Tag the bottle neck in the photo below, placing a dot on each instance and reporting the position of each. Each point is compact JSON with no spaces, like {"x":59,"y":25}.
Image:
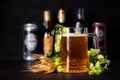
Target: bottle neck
{"x":47,"y":24}
{"x":47,"y":19}
{"x":61,"y":16}
{"x":79,"y":17}
{"x":80,"y":13}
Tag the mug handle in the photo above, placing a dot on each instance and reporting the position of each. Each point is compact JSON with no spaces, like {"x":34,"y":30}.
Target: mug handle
{"x":95,"y":40}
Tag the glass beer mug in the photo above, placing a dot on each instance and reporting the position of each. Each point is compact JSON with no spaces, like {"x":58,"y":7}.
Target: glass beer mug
{"x":74,"y":45}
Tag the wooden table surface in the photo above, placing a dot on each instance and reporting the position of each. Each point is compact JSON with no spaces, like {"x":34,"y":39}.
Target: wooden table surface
{"x":13,"y":70}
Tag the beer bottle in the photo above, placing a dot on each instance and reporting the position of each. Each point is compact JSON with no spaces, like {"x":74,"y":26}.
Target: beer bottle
{"x":80,"y":20}
{"x":58,"y":31}
{"x":48,"y":38}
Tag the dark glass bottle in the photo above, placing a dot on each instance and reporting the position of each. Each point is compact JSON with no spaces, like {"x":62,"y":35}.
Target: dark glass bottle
{"x":58,"y":31}
{"x":80,"y":19}
{"x":48,"y":38}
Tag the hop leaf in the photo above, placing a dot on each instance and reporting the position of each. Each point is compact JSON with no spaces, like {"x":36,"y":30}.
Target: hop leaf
{"x":53,"y":32}
{"x":94,"y":51}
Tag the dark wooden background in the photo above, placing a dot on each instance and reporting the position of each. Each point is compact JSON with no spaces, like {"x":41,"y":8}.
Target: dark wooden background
{"x":15,"y":13}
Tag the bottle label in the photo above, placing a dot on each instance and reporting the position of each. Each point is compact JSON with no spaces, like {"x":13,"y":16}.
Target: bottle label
{"x":48,"y":44}
{"x":100,"y":35}
{"x":30,"y":41}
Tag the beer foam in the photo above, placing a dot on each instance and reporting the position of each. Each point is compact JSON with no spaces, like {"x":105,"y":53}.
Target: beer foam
{"x":74,"y":34}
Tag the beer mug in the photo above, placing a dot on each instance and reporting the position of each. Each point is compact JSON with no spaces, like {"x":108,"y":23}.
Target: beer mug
{"x":74,"y":45}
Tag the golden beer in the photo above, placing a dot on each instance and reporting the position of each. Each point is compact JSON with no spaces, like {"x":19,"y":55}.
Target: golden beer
{"x":74,"y":53}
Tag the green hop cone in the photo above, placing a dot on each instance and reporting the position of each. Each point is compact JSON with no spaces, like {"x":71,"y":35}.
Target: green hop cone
{"x":59,"y":68}
{"x":100,"y":56}
{"x":91,"y":65}
{"x":98,"y":65}
{"x":98,"y":71}
{"x":64,"y":30}
{"x":91,"y":73}
{"x":57,"y":48}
